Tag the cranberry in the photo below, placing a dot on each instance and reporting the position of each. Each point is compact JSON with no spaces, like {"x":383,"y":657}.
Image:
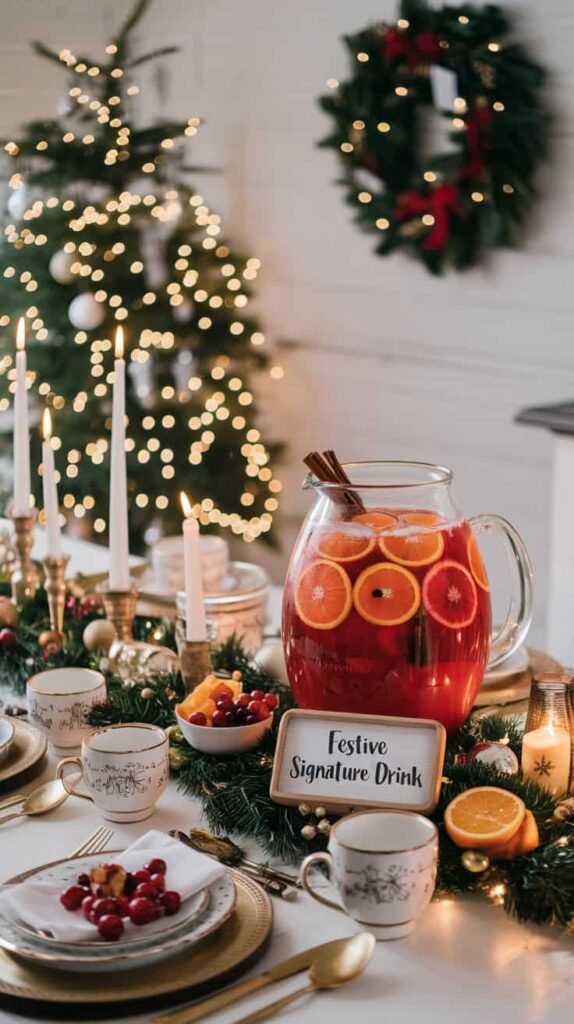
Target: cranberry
{"x":230,"y":718}
{"x":225,"y":705}
{"x":87,"y":904}
{"x":241,"y":716}
{"x":7,"y":637}
{"x":257,"y":695}
{"x":198,"y":718}
{"x":101,"y":906}
{"x":84,"y":881}
{"x":158,"y":880}
{"x":243,"y":700}
{"x":272,"y":700}
{"x":170,"y":901}
{"x":142,"y":911}
{"x":141,"y":876}
{"x":123,"y":906}
{"x":259,"y":709}
{"x":218,"y":719}
{"x":157,"y":866}
{"x":110,"y":927}
{"x":72,"y":897}
{"x":147,"y":890}
{"x":250,"y":718}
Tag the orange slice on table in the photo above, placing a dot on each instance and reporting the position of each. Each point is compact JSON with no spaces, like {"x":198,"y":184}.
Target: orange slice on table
{"x":449,"y":594}
{"x":323,"y":595}
{"x":522,"y":842}
{"x":422,"y":518}
{"x":476,"y":564}
{"x":377,"y":519}
{"x":345,"y":545}
{"x":413,"y":548}
{"x":484,"y":816}
{"x":386,"y":594}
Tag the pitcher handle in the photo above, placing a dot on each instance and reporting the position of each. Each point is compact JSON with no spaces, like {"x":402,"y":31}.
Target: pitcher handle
{"x":513,"y":631}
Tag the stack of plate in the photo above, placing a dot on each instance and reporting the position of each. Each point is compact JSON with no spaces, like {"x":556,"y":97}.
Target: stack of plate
{"x":200,"y":915}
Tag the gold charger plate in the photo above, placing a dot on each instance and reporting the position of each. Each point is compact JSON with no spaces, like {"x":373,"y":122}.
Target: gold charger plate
{"x":516,"y":688}
{"x":216,"y":959}
{"x":27,"y":748}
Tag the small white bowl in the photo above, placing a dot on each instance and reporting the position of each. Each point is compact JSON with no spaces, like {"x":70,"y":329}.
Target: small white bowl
{"x":233,"y":739}
{"x":6,"y":737}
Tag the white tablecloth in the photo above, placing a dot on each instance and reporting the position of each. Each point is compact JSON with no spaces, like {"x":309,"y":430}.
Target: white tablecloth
{"x":467,"y":962}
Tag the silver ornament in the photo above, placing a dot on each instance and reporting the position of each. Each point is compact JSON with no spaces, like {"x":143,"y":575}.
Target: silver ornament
{"x":85,"y":312}
{"x":60,"y":266}
{"x":498,"y":755}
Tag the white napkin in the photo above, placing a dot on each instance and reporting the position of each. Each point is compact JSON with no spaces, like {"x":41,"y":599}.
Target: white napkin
{"x":37,"y":904}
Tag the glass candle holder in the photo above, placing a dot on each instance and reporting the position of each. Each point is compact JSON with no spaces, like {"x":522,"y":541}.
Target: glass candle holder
{"x":547,"y":746}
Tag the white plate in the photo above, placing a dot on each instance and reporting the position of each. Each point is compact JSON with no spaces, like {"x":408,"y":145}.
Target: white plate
{"x":108,"y":956}
{"x":511,"y":666}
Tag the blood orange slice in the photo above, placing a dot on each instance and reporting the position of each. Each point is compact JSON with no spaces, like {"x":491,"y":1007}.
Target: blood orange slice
{"x":386,"y":594}
{"x":413,"y":548}
{"x":376,"y":518}
{"x":422,"y":518}
{"x":449,"y":594}
{"x":476,"y":564}
{"x":323,"y":595}
{"x":345,"y":545}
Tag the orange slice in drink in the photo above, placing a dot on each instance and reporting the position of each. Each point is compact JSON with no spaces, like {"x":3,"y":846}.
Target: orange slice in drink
{"x":422,"y":518}
{"x":376,"y":518}
{"x":413,"y":548}
{"x":449,"y":594}
{"x":345,"y":545}
{"x":386,"y":594}
{"x":484,"y":816}
{"x":323,"y":595}
{"x":476,"y":564}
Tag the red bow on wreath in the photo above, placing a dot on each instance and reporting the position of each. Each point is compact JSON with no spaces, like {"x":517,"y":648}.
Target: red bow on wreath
{"x":442,"y":201}
{"x":420,"y":49}
{"x":477,"y":142}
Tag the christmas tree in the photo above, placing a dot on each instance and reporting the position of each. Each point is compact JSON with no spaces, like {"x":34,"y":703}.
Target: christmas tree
{"x":105,"y":229}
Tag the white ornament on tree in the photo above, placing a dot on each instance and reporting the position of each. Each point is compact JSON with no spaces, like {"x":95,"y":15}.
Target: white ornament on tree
{"x":85,"y":312}
{"x":60,"y":264}
{"x":184,"y":312}
{"x":18,"y":201}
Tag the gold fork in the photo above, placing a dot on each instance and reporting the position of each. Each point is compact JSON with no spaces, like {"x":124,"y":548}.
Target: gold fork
{"x":96,"y":843}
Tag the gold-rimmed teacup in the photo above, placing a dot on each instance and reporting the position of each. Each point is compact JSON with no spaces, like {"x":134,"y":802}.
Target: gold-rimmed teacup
{"x":59,"y":702}
{"x":125,"y":770}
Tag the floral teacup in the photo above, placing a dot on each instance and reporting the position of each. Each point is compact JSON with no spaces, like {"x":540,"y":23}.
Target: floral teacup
{"x":59,"y":702}
{"x":384,"y":865}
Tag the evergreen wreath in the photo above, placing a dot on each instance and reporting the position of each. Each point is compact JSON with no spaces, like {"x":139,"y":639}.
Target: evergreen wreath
{"x":448,"y":208}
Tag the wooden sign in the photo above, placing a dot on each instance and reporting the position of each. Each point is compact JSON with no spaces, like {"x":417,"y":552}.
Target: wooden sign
{"x":341,"y":761}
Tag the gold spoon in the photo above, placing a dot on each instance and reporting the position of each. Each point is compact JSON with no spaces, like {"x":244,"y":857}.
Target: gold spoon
{"x":41,"y":800}
{"x":336,"y":965}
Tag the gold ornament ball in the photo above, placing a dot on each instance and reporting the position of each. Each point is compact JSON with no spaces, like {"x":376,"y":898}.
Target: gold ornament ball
{"x":475,"y":861}
{"x":308,"y":831}
{"x":304,"y":809}
{"x":320,"y":812}
{"x":99,"y":635}
{"x":8,"y":613}
{"x":324,"y":826}
{"x":49,"y":636}
{"x":148,"y":693}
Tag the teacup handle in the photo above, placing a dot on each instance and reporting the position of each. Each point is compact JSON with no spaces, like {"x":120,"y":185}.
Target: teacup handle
{"x":60,"y":774}
{"x":318,"y":858}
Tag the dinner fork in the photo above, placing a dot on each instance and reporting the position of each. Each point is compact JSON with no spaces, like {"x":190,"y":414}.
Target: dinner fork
{"x":96,"y":843}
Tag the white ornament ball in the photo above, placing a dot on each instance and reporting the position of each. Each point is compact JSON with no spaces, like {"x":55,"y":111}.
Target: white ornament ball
{"x":18,"y":202}
{"x":85,"y":312}
{"x":99,"y":635}
{"x":271,"y":658}
{"x":184,"y":312}
{"x":60,"y":264}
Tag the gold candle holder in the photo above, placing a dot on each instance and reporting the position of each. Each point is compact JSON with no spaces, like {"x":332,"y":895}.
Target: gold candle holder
{"x":55,"y":587}
{"x":24,"y":580}
{"x":194,"y":657}
{"x":120,"y":609}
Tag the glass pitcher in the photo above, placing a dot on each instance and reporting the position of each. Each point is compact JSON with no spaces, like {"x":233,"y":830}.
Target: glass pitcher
{"x":386,"y":607}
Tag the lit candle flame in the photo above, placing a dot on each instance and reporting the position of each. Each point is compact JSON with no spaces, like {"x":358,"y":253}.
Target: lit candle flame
{"x":47,"y":424}
{"x":186,"y":505}
{"x":119,"y":346}
{"x":21,"y":334}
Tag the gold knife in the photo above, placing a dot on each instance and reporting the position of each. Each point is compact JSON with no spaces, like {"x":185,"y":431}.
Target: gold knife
{"x":295,"y":964}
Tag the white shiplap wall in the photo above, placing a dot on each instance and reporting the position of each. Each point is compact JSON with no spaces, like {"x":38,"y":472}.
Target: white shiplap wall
{"x":388,"y":362}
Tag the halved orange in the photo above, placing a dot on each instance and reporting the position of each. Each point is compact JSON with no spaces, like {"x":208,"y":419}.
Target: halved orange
{"x":483,"y":816}
{"x":449,"y":594}
{"x":345,"y":545}
{"x":524,"y":841}
{"x":422,"y":518}
{"x":413,"y":548}
{"x":375,"y":518}
{"x":386,"y":594}
{"x":476,"y":564}
{"x":323,"y":595}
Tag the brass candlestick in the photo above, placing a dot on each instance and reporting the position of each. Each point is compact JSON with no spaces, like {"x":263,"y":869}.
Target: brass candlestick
{"x":55,"y":587}
{"x":24,"y":580}
{"x":120,"y":609}
{"x":194,"y":657}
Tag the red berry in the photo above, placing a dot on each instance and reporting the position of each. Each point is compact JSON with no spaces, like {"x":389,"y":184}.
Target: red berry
{"x":123,"y":906}
{"x":147,"y":890}
{"x":129,"y":884}
{"x":223,"y":692}
{"x":87,"y":904}
{"x":250,"y":718}
{"x":259,"y":709}
{"x":72,"y":897}
{"x":158,"y":881}
{"x":110,"y":927}
{"x":84,"y":881}
{"x":257,"y":695}
{"x":141,"y":876}
{"x":7,"y":637}
{"x":156,"y":866}
{"x":272,"y":700}
{"x":219,"y":719}
{"x":198,"y":718}
{"x":243,"y":700}
{"x":142,"y":911}
{"x":226,"y":704}
{"x":102,"y":906}
{"x":170,"y":901}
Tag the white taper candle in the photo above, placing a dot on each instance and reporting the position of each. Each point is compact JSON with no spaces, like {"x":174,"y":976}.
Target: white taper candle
{"x":50,"y":490}
{"x":119,"y":576}
{"x":195,"y":625}
{"x":22,"y":488}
